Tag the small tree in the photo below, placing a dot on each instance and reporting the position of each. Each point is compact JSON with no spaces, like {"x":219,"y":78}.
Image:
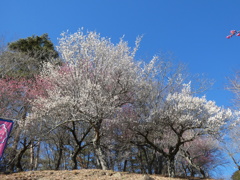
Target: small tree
{"x":180,"y":115}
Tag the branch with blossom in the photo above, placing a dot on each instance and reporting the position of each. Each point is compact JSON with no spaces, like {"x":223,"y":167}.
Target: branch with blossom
{"x":233,"y":33}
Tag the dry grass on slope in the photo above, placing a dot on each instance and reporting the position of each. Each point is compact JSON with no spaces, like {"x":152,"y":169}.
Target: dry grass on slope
{"x":84,"y":174}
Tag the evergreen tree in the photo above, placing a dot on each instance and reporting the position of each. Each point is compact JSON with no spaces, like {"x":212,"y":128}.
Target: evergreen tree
{"x":24,"y":57}
{"x":39,"y":47}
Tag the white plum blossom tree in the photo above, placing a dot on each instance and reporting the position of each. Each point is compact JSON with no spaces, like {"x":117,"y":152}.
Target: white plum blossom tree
{"x":98,"y":78}
{"x":182,"y":117}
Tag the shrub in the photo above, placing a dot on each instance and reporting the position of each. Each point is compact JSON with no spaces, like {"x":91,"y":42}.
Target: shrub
{"x":236,"y":175}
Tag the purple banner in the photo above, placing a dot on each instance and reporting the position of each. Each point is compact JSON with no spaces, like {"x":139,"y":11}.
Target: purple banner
{"x":5,"y":129}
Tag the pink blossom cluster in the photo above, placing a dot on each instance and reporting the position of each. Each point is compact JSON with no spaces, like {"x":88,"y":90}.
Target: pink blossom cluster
{"x":232,"y":33}
{"x":14,"y":92}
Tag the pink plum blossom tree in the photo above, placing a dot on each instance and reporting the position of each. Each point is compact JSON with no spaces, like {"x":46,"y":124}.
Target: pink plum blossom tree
{"x":15,"y":96}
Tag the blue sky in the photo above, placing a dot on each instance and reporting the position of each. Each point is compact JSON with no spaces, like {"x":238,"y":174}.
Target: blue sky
{"x":194,"y":31}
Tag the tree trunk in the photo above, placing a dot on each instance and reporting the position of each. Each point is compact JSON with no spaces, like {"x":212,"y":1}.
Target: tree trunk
{"x":88,"y":161}
{"x":74,"y":161}
{"x":190,"y":161}
{"x":101,"y":156}
{"x":19,"y":158}
{"x":37,"y":156}
{"x":74,"y":158}
{"x":20,"y":155}
{"x":31,"y":156}
{"x":171,"y":166}
{"x":149,"y":162}
{"x":98,"y":150}
{"x":14,"y":147}
{"x":15,"y":158}
{"x":202,"y":172}
{"x":125,"y":166}
{"x":59,"y":158}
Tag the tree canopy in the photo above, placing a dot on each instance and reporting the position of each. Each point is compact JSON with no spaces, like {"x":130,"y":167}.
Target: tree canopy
{"x":25,"y":57}
{"x":39,"y":47}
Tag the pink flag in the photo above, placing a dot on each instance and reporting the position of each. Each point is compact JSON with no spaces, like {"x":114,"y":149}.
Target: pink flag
{"x":5,"y":129}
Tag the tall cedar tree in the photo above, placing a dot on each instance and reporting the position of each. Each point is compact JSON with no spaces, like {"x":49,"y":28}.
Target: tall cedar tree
{"x":27,"y":56}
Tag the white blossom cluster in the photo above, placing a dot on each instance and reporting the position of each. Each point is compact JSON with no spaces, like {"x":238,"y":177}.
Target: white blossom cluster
{"x":195,"y":112}
{"x":97,"y":79}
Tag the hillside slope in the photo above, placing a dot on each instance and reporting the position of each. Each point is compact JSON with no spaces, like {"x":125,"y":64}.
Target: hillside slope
{"x":84,"y":174}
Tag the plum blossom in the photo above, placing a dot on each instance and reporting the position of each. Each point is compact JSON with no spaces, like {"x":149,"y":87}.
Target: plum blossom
{"x":233,"y":33}
{"x":186,"y":108}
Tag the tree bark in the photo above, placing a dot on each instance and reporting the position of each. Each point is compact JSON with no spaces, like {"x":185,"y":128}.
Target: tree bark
{"x":74,"y":158}
{"x":37,"y":156}
{"x":78,"y":146}
{"x":98,"y":150}
{"x":171,"y":166}
{"x":125,"y":166}
{"x":190,"y":161}
{"x":14,"y":152}
{"x":32,"y":156}
{"x":59,"y":158}
{"x":20,"y":155}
